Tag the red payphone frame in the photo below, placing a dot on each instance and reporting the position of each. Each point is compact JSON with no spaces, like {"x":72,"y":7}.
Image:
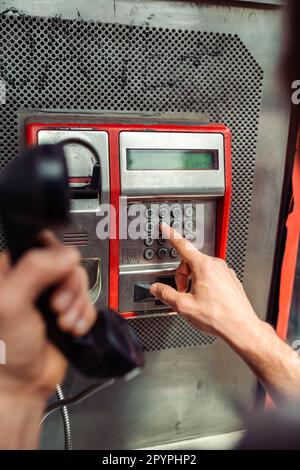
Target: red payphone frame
{"x":113,"y":130}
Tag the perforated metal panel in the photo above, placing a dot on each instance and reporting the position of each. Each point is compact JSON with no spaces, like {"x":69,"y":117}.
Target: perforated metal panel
{"x":76,"y":65}
{"x":168,"y":332}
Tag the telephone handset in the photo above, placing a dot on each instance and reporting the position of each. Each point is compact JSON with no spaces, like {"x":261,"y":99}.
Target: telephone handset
{"x":34,"y":195}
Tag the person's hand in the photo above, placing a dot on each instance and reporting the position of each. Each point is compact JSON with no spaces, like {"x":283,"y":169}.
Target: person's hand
{"x":33,"y":363}
{"x":217,"y":302}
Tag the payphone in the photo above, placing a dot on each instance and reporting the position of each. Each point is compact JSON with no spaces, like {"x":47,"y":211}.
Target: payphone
{"x":177,"y":173}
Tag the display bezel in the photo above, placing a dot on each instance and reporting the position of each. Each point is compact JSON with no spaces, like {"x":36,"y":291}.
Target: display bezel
{"x":175,"y":182}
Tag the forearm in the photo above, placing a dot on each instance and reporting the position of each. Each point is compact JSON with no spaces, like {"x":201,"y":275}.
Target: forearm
{"x":20,"y":417}
{"x":276,"y":365}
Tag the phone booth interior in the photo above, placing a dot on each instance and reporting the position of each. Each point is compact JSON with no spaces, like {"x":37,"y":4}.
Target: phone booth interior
{"x":199,"y":82}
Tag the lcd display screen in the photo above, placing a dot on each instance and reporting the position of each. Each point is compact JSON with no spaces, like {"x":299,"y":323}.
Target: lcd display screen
{"x":171,"y":159}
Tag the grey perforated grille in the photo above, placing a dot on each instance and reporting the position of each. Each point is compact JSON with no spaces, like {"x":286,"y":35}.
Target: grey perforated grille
{"x":84,"y":66}
{"x":168,"y":332}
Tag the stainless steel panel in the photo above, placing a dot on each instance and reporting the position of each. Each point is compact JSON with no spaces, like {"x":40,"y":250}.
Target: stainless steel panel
{"x":81,"y":234}
{"x":148,"y":182}
{"x":93,"y":268}
{"x":82,"y":230}
{"x":183,"y":393}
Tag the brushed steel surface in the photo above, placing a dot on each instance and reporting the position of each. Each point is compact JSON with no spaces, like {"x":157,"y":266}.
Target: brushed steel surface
{"x":190,"y":392}
{"x":84,"y":211}
{"x":93,"y":268}
{"x":181,"y":394}
{"x":227,"y":441}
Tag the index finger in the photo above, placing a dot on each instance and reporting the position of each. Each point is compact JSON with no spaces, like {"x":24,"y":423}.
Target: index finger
{"x":185,"y":248}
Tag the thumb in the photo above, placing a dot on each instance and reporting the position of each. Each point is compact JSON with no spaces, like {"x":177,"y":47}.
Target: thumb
{"x":167,"y":294}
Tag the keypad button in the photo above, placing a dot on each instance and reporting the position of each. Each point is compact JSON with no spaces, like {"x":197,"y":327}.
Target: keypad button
{"x":162,"y":253}
{"x":173,"y":253}
{"x":149,"y":226}
{"x":163,"y":212}
{"x":176,"y":212}
{"x":149,"y":241}
{"x":176,"y":225}
{"x":149,"y":254}
{"x":149,"y":213}
{"x":189,"y":236}
{"x":161,"y":241}
{"x":189,"y":211}
{"x":188,"y":225}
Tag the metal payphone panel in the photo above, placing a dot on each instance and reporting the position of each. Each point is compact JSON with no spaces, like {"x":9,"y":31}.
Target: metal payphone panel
{"x":177,"y":173}
{"x":82,"y":231}
{"x":177,"y":177}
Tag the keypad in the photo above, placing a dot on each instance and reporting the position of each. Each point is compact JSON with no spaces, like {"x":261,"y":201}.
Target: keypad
{"x":180,"y":215}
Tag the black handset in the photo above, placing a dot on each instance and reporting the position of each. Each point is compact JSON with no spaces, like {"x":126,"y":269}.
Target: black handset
{"x":34,"y":195}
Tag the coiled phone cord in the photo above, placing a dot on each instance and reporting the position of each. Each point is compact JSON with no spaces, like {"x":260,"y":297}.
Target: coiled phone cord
{"x":65,"y":419}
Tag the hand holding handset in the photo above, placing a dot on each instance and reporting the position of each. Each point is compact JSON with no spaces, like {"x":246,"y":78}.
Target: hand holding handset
{"x":34,"y":195}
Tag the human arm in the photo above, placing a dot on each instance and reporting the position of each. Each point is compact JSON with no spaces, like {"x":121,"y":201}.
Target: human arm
{"x":217,"y":304}
{"x":34,"y":365}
